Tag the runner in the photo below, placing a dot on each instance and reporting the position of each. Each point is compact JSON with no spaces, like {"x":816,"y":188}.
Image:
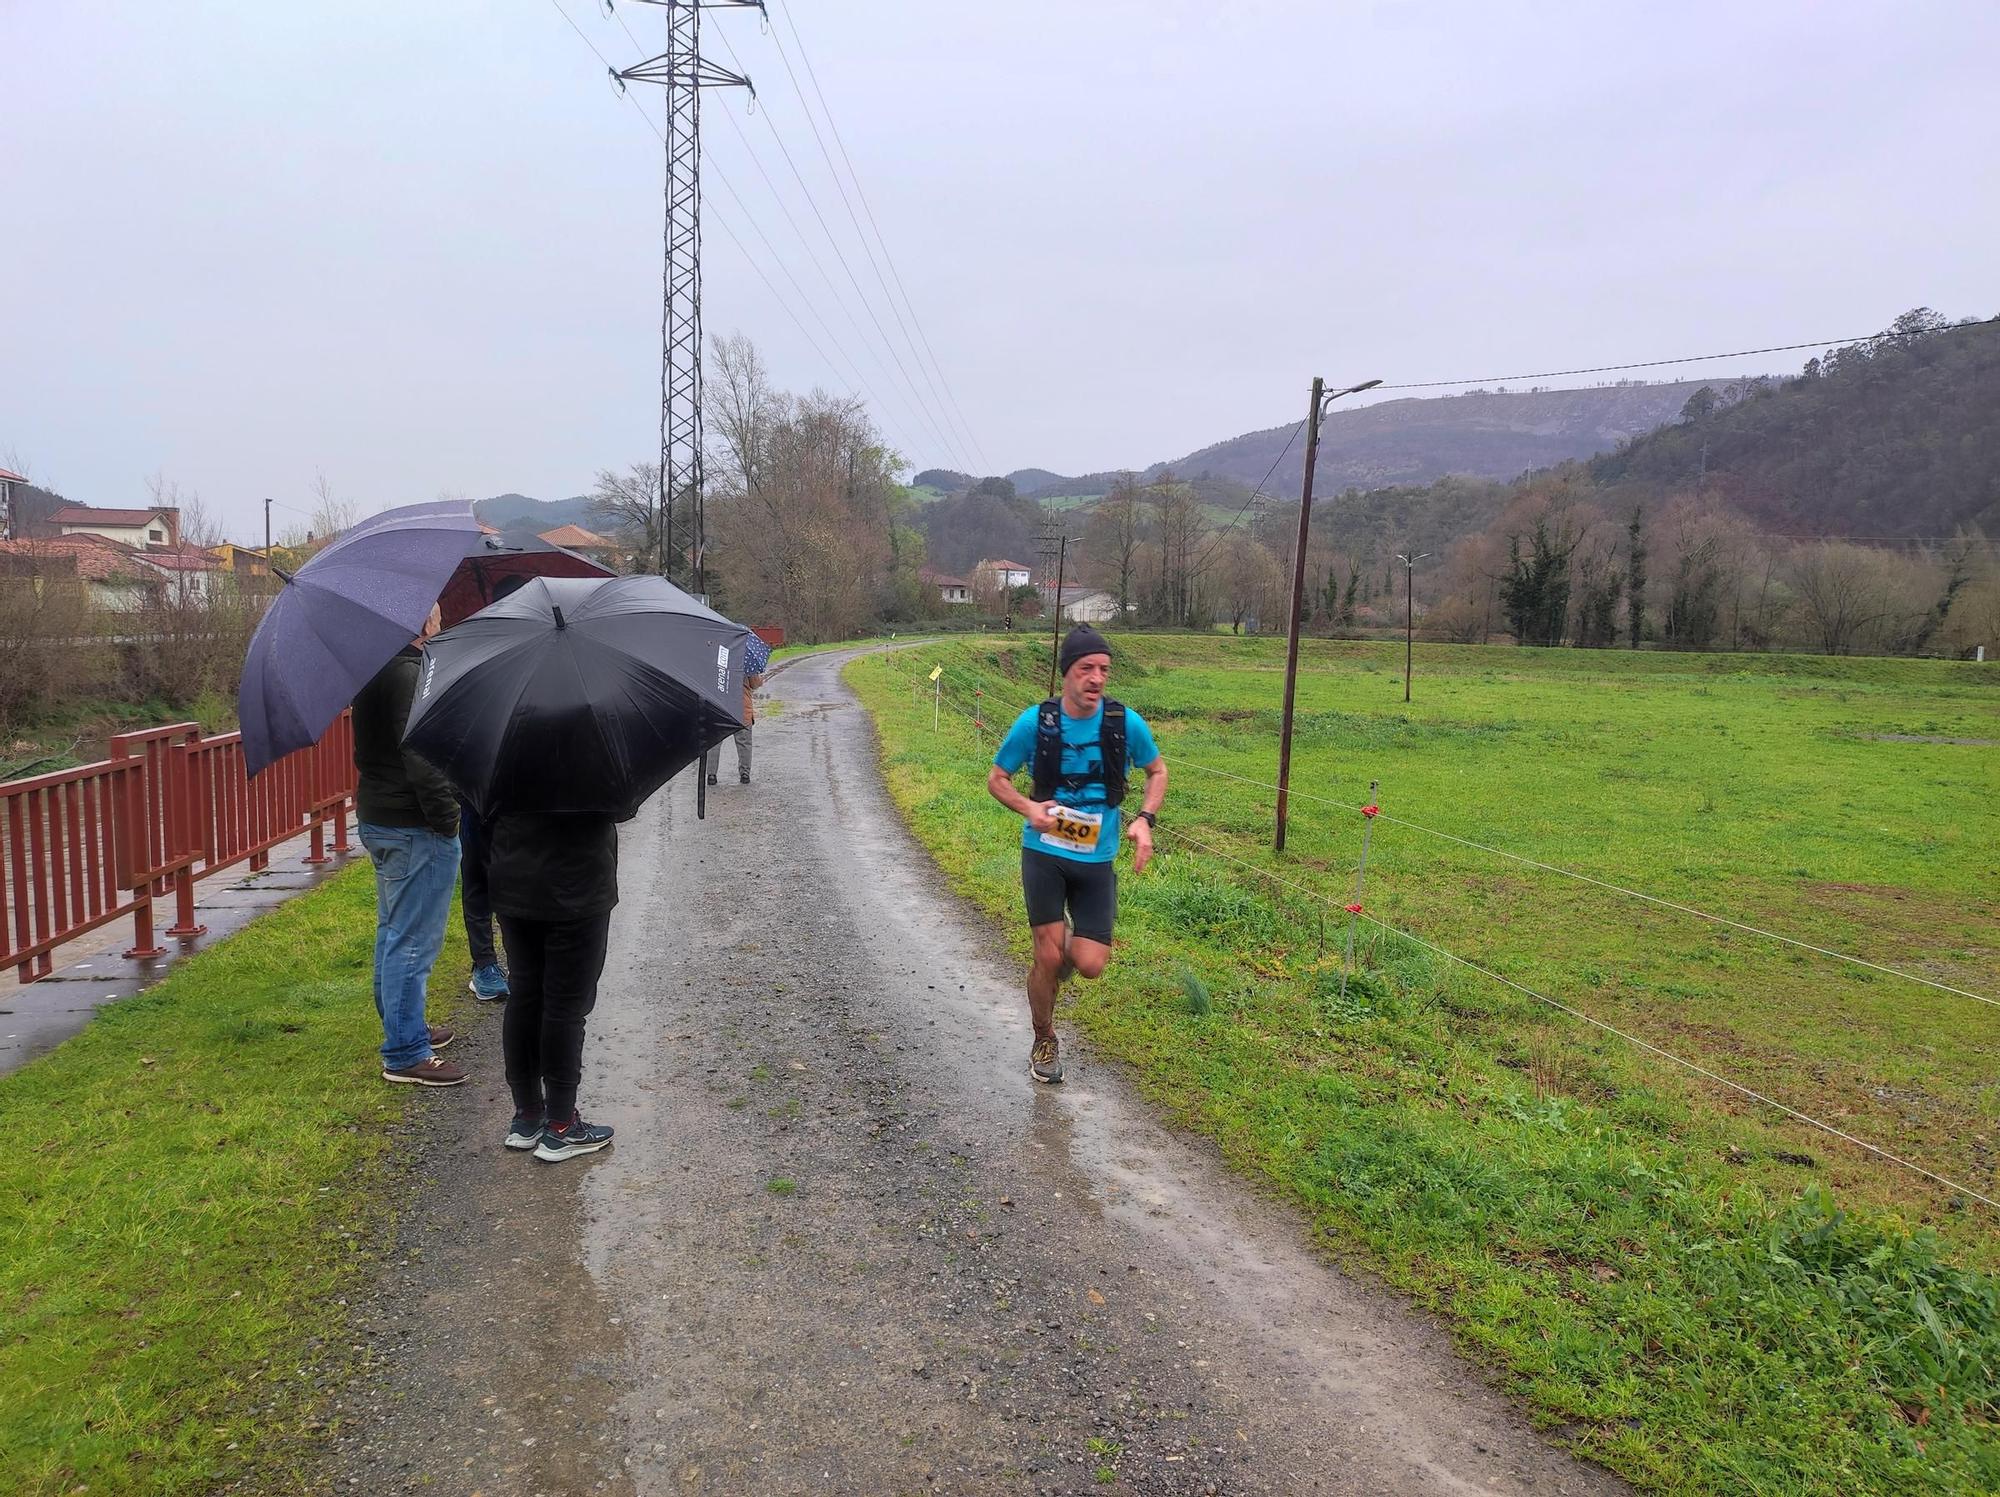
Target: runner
{"x":1080,"y":747}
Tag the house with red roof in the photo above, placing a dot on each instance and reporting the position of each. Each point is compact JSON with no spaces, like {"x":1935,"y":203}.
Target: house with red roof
{"x":137,"y":528}
{"x":584,"y":542}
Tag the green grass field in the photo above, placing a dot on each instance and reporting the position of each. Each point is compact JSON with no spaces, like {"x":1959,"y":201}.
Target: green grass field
{"x":1686,"y":1285}
{"x":192,"y":1182}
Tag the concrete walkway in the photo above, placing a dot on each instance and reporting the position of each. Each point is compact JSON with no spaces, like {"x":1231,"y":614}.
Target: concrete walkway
{"x":38,"y":1016}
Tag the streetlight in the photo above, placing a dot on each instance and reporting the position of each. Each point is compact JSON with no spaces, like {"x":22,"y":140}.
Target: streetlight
{"x":1409,"y":613}
{"x":1320,"y":401}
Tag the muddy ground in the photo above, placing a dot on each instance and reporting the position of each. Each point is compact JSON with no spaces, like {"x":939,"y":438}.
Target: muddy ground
{"x":844,"y":1244}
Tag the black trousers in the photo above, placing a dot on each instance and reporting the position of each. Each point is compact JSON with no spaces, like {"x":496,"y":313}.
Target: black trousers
{"x":552,"y":977}
{"x":474,"y":902}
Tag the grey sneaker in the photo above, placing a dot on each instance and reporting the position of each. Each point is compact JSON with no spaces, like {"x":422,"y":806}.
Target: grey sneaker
{"x":567,"y":1140}
{"x":525,"y":1131}
{"x":1045,"y":1061}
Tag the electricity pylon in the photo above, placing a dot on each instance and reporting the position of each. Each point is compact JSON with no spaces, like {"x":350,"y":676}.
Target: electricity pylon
{"x":684,"y":73}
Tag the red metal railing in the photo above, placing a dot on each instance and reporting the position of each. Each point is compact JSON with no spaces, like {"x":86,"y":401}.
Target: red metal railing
{"x":84,"y":847}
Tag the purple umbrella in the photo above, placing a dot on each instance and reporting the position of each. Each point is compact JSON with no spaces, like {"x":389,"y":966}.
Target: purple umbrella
{"x":340,"y":619}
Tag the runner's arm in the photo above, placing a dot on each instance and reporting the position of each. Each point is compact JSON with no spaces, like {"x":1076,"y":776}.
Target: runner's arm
{"x":1000,"y":785}
{"x":1141,"y":830}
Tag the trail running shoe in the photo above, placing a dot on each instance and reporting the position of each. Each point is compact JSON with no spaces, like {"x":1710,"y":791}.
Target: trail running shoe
{"x":489,"y":983}
{"x":567,"y":1140}
{"x":432,"y":1072}
{"x":526,"y":1130}
{"x":1045,"y":1061}
{"x":744,"y":777}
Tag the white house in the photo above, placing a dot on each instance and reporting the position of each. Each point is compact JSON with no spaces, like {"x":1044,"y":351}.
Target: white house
{"x":1002,"y":575}
{"x":137,"y":528}
{"x":950,"y":589}
{"x":1087,"y":605}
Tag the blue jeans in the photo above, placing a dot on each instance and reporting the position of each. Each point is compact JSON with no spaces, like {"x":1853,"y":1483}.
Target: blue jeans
{"x":415,"y":871}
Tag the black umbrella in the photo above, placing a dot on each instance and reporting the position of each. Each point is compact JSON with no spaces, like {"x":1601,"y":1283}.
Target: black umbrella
{"x":578,"y":695}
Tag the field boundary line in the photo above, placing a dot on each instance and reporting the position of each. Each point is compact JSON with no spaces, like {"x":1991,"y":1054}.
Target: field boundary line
{"x":1685,"y":909}
{"x":1608,"y":1028}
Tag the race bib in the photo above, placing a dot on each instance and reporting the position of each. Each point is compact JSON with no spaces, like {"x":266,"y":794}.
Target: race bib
{"x":1074,"y":831}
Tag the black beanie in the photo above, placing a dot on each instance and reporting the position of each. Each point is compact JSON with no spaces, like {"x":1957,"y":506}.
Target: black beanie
{"x":1081,"y":641}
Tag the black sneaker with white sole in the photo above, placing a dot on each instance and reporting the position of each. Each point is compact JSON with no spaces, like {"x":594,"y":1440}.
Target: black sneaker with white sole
{"x":526,"y":1130}
{"x":567,"y":1140}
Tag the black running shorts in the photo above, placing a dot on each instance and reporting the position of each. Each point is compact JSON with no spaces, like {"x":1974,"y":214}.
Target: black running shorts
{"x":1090,"y":890}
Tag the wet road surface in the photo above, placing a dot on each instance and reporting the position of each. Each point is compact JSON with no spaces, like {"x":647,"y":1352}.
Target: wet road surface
{"x":844,"y":1244}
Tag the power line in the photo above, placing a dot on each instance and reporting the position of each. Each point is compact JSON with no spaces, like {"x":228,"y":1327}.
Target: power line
{"x":1741,"y":353}
{"x":819,"y":265}
{"x":1577,"y":1013}
{"x":868,"y":208}
{"x":1685,"y":909}
{"x":944,"y":408}
{"x":749,"y":219}
{"x":949,"y":444}
{"x":1255,"y":494}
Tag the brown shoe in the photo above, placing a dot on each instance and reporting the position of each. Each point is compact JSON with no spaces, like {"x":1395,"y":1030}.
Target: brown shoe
{"x":432,"y":1072}
{"x":440,"y":1036}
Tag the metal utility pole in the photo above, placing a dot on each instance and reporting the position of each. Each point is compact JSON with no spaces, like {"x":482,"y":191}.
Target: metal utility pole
{"x":1320,"y":401}
{"x":267,"y":530}
{"x":1409,"y":613}
{"x":1055,"y":642}
{"x":684,"y":73}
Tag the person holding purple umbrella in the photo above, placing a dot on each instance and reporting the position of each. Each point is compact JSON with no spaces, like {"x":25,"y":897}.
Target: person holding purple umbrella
{"x":408,"y":822}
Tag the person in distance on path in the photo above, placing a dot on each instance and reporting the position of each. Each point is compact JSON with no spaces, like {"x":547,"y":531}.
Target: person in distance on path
{"x":712,"y":760}
{"x":1080,"y":747}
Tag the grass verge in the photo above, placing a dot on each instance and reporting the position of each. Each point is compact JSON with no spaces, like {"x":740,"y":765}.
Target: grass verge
{"x":1669,"y":1281}
{"x":188,"y":1195}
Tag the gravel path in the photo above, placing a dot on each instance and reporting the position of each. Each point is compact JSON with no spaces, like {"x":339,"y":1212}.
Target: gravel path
{"x":843,"y":1244}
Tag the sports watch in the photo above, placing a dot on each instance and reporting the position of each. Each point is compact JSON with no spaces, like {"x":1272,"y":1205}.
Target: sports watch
{"x":1151,"y":818}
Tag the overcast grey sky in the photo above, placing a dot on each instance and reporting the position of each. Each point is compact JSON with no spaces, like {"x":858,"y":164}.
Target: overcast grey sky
{"x":415,"y":246}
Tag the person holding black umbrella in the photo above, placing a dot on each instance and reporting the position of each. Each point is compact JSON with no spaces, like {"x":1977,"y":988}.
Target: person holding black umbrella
{"x":557,"y":713}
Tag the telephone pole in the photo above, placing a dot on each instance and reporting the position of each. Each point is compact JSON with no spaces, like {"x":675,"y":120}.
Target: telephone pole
{"x":1409,"y":613}
{"x":1314,"y":412}
{"x":684,"y":73}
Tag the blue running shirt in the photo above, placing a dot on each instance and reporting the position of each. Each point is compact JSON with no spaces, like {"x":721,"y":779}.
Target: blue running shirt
{"x":1080,"y":755}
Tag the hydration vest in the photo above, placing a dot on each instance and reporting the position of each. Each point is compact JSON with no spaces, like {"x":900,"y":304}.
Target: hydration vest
{"x":1048,"y":770}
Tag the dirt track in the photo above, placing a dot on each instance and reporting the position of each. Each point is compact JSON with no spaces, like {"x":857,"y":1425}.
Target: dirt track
{"x":843,"y":1244}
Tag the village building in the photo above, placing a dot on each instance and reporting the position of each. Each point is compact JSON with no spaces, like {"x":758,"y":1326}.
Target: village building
{"x":950,"y":589}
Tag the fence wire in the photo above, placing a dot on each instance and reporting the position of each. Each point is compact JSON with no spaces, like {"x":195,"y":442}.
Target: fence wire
{"x":974,"y":718}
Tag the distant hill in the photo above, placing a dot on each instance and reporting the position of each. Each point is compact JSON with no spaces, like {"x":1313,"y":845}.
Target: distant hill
{"x":519,"y":512}
{"x":1037,"y":481}
{"x":1482,"y":434}
{"x":944,"y":480}
{"x":1898,"y":436}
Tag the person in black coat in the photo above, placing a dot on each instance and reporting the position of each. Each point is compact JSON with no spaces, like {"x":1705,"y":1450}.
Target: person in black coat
{"x":553,"y":881}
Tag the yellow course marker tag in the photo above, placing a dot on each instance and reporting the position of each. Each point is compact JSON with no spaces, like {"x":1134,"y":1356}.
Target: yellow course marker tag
{"x":936,"y":671}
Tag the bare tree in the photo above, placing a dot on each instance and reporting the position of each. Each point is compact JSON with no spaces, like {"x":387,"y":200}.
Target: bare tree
{"x":1839,"y":591}
{"x":628,"y":506}
{"x":331,"y":514}
{"x":1114,"y":532}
